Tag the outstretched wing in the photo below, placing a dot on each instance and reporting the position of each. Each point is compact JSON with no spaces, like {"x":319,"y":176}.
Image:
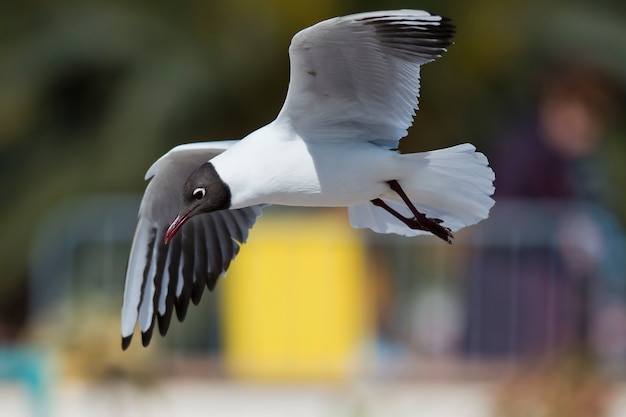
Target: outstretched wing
{"x":162,"y":278}
{"x":357,"y":77}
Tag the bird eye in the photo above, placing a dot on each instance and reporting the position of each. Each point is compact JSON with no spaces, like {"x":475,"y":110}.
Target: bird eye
{"x":199,"y":193}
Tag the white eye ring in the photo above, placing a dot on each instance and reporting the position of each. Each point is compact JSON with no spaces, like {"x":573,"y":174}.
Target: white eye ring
{"x":199,"y":193}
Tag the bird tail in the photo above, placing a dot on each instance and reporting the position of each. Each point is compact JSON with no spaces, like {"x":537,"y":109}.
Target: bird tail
{"x":452,"y":184}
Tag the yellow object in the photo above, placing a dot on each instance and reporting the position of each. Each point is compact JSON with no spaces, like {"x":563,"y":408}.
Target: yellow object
{"x":293,"y":302}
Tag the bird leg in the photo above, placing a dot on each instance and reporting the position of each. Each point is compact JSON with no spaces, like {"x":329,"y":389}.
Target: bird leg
{"x":419,"y":220}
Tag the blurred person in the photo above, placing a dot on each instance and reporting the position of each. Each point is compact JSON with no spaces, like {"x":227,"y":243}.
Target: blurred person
{"x":528,"y":297}
{"x":551,"y":156}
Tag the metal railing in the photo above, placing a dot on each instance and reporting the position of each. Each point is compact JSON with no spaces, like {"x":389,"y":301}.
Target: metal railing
{"x":536,"y":278}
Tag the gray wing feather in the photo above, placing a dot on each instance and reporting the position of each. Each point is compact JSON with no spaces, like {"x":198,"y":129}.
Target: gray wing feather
{"x":357,"y":77}
{"x":163,"y":278}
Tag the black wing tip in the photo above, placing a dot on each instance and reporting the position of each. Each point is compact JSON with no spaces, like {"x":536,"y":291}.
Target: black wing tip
{"x":446,"y":23}
{"x":400,"y":16}
{"x":211,"y":283}
{"x":164,"y":323}
{"x":196,"y":296}
{"x":181,"y":306}
{"x":198,"y":289}
{"x":146,"y":337}
{"x":126,"y":341}
{"x":425,"y":38}
{"x":443,"y":24}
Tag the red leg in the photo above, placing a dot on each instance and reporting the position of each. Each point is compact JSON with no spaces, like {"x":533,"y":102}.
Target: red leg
{"x":419,"y":221}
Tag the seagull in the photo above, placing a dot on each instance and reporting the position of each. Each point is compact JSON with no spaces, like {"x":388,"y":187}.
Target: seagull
{"x":353,"y":93}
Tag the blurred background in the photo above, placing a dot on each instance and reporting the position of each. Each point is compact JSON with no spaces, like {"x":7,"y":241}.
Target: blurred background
{"x":525,"y":315}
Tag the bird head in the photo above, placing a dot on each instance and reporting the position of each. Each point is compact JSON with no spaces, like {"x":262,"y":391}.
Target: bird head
{"x":203,"y":192}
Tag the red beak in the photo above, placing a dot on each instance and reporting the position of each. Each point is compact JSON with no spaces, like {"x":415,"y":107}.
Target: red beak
{"x":177,"y":223}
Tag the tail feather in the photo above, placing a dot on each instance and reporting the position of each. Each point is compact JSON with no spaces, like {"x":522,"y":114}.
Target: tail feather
{"x":453,"y":184}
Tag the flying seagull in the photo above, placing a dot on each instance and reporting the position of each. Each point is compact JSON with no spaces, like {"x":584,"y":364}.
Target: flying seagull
{"x":352,"y":96}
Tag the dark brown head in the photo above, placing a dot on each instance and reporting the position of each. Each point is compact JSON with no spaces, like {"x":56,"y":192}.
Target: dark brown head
{"x":203,"y":192}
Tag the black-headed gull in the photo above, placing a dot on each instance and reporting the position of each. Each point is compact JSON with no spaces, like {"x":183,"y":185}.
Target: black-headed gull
{"x":352,"y":96}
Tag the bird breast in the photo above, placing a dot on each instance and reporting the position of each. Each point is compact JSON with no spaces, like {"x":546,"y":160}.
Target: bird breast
{"x":273,"y":169}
